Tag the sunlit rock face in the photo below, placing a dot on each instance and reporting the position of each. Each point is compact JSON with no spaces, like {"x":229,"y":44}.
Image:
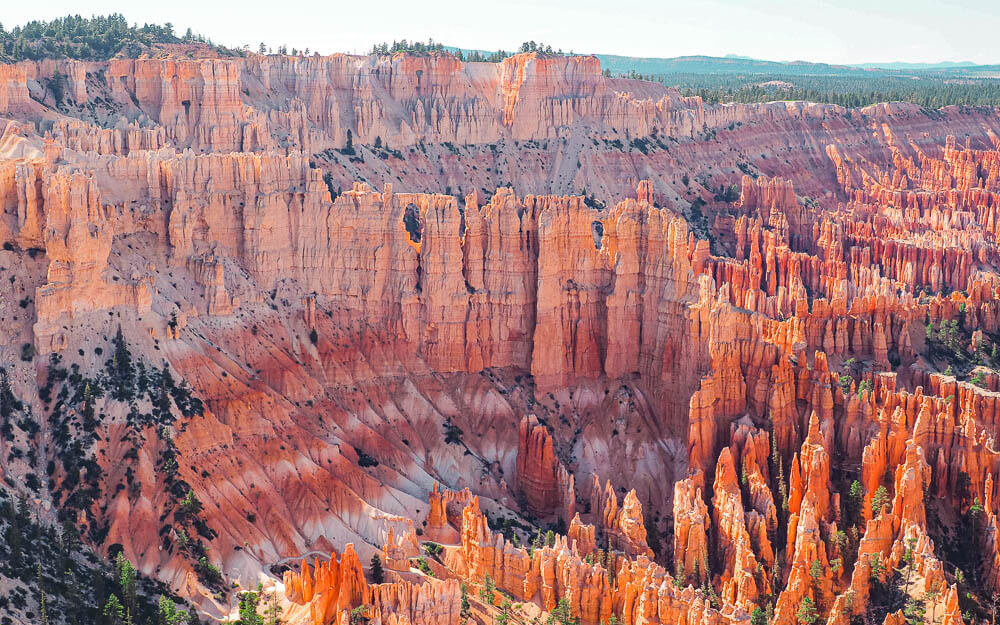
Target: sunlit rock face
{"x":294,"y":313}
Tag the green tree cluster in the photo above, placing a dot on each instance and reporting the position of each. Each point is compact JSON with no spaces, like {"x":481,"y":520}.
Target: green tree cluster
{"x":96,"y":38}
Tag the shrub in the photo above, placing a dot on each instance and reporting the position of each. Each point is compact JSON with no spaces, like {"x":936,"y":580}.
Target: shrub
{"x":433,"y":549}
{"x":208,"y":573}
{"x":424,"y":567}
{"x":452,"y":433}
{"x":866,"y":386}
{"x":364,"y":460}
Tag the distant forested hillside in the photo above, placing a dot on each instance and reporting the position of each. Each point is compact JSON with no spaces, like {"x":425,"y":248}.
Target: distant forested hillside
{"x":721,"y":65}
{"x":850,"y":91}
{"x":96,"y":38}
{"x":741,"y":79}
{"x":737,"y":79}
{"x":715,"y":79}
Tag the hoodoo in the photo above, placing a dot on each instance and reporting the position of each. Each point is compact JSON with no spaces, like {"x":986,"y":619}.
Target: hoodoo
{"x":414,"y":339}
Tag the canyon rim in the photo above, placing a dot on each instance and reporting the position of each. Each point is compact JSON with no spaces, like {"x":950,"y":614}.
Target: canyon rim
{"x":405,"y":338}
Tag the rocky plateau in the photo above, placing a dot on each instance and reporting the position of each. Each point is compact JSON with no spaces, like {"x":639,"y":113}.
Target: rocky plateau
{"x":549,"y":345}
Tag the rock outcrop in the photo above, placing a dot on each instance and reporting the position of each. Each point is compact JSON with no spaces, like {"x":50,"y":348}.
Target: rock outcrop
{"x":262,"y":306}
{"x":329,"y":587}
{"x":544,"y":482}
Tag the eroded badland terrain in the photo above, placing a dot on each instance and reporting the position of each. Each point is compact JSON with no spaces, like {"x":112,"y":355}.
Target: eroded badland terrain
{"x":738,"y":359}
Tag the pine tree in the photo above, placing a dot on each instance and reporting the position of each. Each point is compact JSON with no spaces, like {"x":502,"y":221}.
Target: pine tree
{"x":807,"y":612}
{"x":358,"y":615}
{"x":121,"y":361}
{"x":126,"y":575}
{"x":42,"y":604}
{"x":815,"y":570}
{"x":272,"y":613}
{"x":536,"y":542}
{"x":73,"y":599}
{"x":856,"y":500}
{"x":168,"y":614}
{"x":14,"y":535}
{"x":378,"y":574}
{"x":877,"y":568}
{"x":89,"y":420}
{"x":248,"y":608}
{"x":487,"y":591}
{"x":679,"y":574}
{"x":113,"y":611}
{"x":879,"y":501}
{"x":562,"y":614}
{"x":914,"y":611}
{"x":465,"y":600}
{"x":504,"y":617}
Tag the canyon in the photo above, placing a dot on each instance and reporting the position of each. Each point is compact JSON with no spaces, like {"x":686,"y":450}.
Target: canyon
{"x":544,"y":343}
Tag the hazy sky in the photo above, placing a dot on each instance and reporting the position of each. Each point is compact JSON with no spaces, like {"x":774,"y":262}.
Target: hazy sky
{"x":844,"y":31}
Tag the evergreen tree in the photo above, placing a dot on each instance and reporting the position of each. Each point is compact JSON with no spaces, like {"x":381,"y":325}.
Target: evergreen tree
{"x":14,"y":536}
{"x":167,"y":613}
{"x":73,"y":599}
{"x":465,"y":600}
{"x":879,"y":501}
{"x":126,"y":576}
{"x":43,"y":607}
{"x":562,"y":614}
{"x":378,"y":574}
{"x":96,"y":38}
{"x":272,"y":613}
{"x":807,"y":614}
{"x":855,"y":501}
{"x":248,"y":608}
{"x":113,"y":611}
{"x":487,"y":591}
{"x":121,"y":369}
{"x":815,"y":570}
{"x":914,"y":611}
{"x":359,"y":615}
{"x":504,"y":617}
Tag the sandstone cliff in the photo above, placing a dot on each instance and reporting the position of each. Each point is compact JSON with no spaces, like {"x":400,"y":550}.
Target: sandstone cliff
{"x":503,"y":285}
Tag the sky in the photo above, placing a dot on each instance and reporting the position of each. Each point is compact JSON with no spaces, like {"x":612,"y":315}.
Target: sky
{"x":844,"y":31}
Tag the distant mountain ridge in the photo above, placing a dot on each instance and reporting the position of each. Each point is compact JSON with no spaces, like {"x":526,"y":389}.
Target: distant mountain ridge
{"x":919,"y":66}
{"x":700,"y":64}
{"x":738,"y":64}
{"x":732,"y":64}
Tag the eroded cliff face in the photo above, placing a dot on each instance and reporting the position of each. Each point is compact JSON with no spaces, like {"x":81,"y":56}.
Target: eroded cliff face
{"x":521,"y":290}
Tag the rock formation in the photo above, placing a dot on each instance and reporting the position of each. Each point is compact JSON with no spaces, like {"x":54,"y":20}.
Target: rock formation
{"x":543,"y":480}
{"x":265,"y":306}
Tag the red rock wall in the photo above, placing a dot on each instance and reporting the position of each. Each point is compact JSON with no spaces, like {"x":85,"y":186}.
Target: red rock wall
{"x":695,"y":359}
